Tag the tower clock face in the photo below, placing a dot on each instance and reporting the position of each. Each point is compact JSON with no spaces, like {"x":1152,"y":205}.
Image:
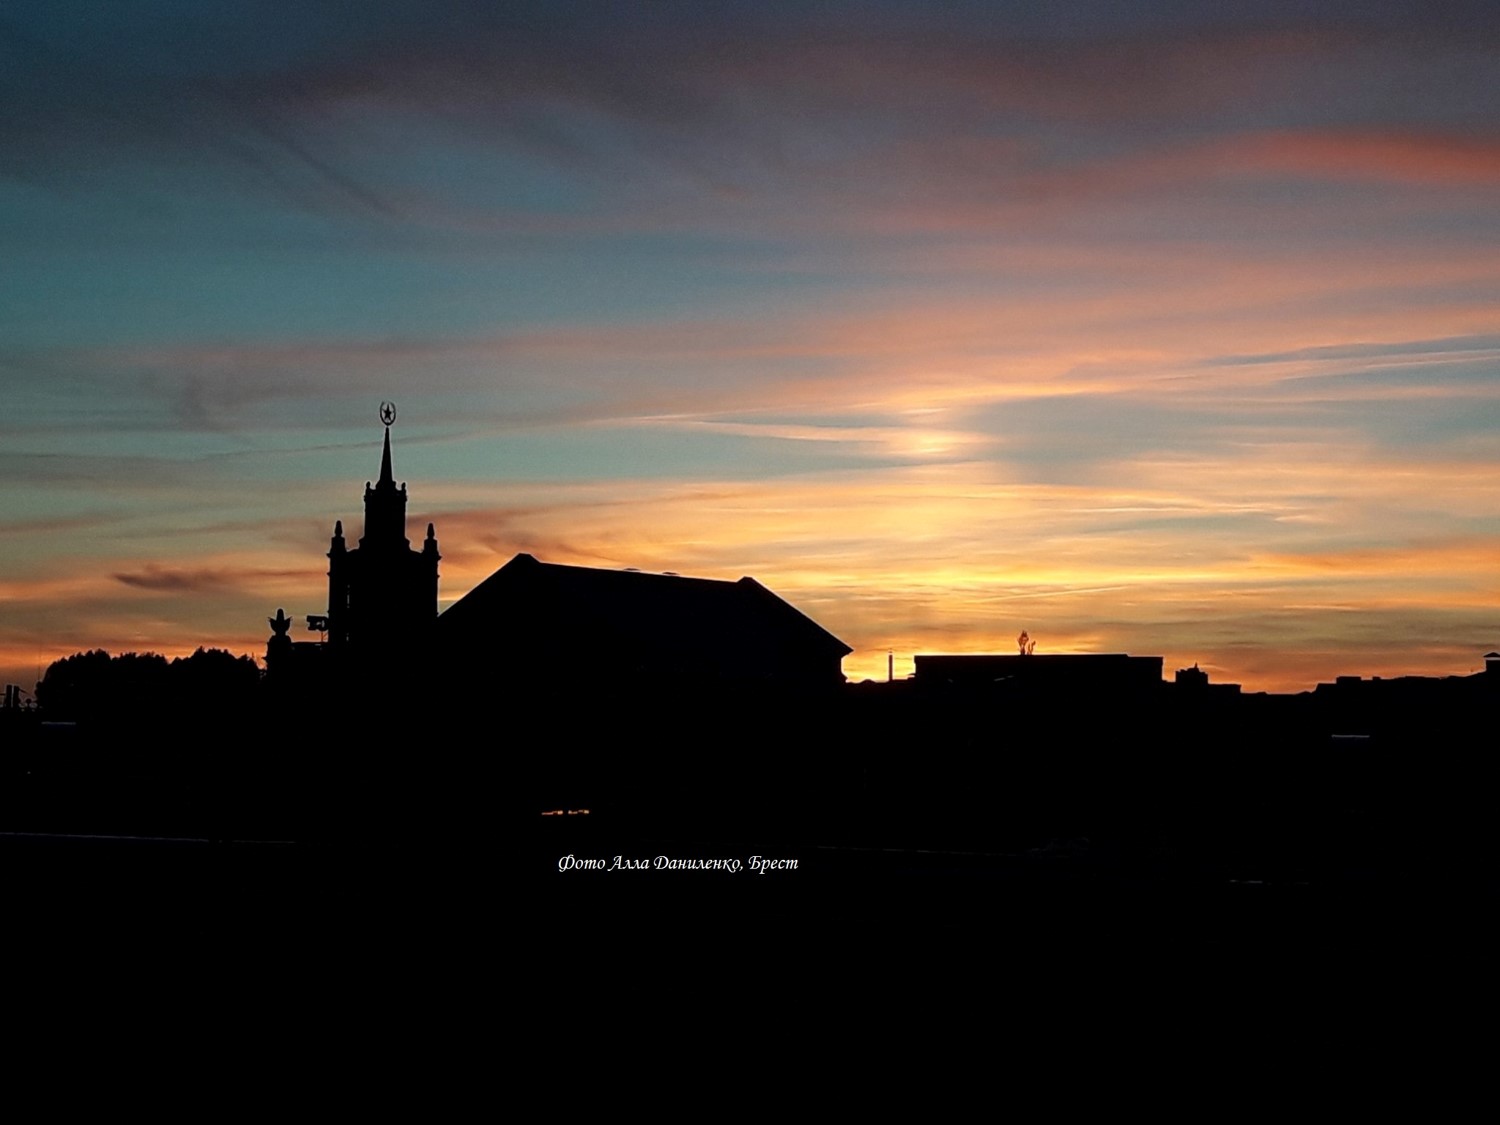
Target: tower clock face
{"x":387,"y":412}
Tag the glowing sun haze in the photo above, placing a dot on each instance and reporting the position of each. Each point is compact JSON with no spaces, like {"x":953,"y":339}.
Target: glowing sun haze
{"x":1168,"y":329}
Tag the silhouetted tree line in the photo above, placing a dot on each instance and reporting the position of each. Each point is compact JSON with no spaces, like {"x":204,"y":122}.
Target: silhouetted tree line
{"x":96,"y":685}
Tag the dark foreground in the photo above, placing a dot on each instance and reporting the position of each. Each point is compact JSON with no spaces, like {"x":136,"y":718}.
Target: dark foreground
{"x":389,"y":886}
{"x":384,"y":938}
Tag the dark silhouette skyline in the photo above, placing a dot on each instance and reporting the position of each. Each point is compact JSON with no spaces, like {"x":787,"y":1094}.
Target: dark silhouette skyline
{"x":529,"y":622}
{"x":713,"y":671}
{"x":1070,"y":808}
{"x":1164,"y":332}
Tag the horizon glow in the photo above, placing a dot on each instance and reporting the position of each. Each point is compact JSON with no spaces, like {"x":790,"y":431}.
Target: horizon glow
{"x":1156,"y":332}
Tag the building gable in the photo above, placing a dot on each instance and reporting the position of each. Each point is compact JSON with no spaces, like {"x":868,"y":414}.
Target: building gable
{"x":547,"y":617}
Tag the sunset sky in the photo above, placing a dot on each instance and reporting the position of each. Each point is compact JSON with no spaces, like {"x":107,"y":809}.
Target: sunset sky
{"x":1168,"y":328}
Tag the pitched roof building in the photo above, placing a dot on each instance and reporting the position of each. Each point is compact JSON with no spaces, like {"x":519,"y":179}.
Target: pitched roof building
{"x":547,"y":621}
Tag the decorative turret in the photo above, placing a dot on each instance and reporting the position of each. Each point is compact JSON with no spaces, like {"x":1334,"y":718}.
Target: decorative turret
{"x":430,"y":559}
{"x":338,"y":587}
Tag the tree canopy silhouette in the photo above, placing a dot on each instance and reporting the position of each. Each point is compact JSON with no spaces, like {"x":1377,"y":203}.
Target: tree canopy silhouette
{"x":94,"y":684}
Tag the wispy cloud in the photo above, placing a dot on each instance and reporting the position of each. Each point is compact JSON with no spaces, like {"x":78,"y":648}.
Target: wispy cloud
{"x":1166,"y":329}
{"x":153,"y":577}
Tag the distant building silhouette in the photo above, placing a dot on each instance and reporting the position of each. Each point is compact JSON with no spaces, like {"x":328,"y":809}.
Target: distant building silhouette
{"x":1194,"y":683}
{"x":1193,"y":678}
{"x":1083,"y":673}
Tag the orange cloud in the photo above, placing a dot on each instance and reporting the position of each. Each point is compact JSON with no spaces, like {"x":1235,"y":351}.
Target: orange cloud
{"x":1413,"y":158}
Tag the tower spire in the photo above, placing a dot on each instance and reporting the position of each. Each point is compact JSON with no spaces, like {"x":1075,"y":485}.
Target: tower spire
{"x":385,"y":462}
{"x":385,"y":504}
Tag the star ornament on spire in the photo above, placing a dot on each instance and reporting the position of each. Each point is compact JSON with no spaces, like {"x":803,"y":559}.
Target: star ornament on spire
{"x":388,"y":413}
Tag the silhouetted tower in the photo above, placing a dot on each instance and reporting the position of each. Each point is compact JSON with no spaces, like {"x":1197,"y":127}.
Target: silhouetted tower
{"x":382,"y":595}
